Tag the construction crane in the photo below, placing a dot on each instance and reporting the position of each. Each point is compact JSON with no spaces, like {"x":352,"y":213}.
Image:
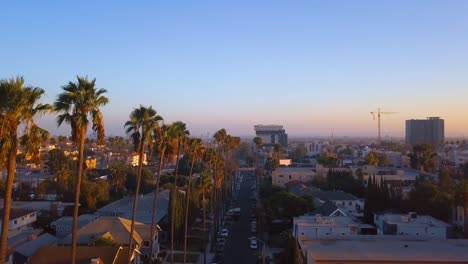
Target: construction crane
{"x":378,"y":113}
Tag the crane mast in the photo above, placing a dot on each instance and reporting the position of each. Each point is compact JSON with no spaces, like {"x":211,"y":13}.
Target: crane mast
{"x":379,"y":113}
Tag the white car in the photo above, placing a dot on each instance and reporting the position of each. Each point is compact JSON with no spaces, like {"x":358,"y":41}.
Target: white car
{"x":224,"y":232}
{"x":253,"y":243}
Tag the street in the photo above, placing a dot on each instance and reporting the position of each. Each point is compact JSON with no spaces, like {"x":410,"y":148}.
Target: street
{"x":238,"y":245}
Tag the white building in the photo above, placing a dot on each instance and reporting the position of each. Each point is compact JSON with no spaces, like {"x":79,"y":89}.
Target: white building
{"x":283,"y":175}
{"x":411,"y":225}
{"x":20,"y":220}
{"x":315,"y":227}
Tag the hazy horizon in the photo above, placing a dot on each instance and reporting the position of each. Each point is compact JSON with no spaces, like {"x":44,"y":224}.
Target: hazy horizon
{"x":314,"y":67}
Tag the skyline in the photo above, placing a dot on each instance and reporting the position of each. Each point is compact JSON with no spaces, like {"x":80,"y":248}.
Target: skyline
{"x":316,"y":68}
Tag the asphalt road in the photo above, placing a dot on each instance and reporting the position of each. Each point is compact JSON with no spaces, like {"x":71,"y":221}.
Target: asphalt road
{"x":237,"y":248}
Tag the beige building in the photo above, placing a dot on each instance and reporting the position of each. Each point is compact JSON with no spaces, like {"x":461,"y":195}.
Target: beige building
{"x":283,"y":175}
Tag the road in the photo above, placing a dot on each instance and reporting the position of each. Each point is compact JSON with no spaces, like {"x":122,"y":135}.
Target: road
{"x":238,"y":245}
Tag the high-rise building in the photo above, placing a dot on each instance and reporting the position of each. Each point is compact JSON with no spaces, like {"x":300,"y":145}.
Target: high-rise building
{"x":272,"y":134}
{"x":425,"y":131}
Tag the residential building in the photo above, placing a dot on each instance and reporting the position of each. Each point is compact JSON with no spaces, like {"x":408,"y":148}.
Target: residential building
{"x":20,"y":220}
{"x":84,"y":254}
{"x":412,"y":225}
{"x":63,"y":226}
{"x":123,"y":207}
{"x":315,"y":227}
{"x":24,"y":253}
{"x":272,"y":134}
{"x":283,"y":175}
{"x":425,"y":131}
{"x":322,"y":171}
{"x":384,"y":249}
{"x":117,"y":229}
{"x":346,"y":202}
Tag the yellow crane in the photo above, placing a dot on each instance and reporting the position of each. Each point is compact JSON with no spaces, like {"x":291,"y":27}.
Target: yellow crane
{"x":378,"y":113}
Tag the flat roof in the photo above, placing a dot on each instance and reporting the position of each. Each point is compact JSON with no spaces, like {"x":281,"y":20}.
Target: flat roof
{"x":384,"y":249}
{"x":406,"y":220}
{"x":315,"y":220}
{"x":282,"y":170}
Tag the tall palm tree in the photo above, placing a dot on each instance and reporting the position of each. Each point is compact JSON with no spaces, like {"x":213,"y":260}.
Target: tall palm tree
{"x":143,"y":121}
{"x":79,"y":105}
{"x":118,"y":175}
{"x":195,"y":149}
{"x":18,"y":106}
{"x":163,"y":140}
{"x":205,"y":184}
{"x":178,"y":131}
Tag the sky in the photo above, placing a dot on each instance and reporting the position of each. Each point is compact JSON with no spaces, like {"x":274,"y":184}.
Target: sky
{"x":316,"y":67}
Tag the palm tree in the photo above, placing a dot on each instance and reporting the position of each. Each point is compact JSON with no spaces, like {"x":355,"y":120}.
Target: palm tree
{"x":195,"y":149}
{"x":18,"y":105}
{"x":76,"y":104}
{"x":178,"y":131}
{"x":205,"y":184}
{"x":143,"y":121}
{"x":163,"y":140}
{"x":258,"y":143}
{"x":118,"y":175}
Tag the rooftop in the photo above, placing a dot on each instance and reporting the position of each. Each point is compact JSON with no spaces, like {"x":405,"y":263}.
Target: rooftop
{"x":124,"y":206}
{"x":292,"y":170}
{"x":16,"y":213}
{"x":116,"y":228}
{"x":84,"y":254}
{"x":393,"y":248}
{"x":28,"y":249}
{"x":407,"y":220}
{"x":324,"y":221}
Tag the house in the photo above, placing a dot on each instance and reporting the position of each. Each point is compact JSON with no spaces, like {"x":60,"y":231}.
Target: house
{"x":123,"y":207}
{"x":118,"y":230}
{"x":24,"y":252}
{"x":329,"y":209}
{"x":315,"y":227}
{"x":412,"y":225}
{"x":346,"y":202}
{"x":20,"y":220}
{"x":18,"y":240}
{"x":63,"y":226}
{"x":84,"y":255}
{"x":283,"y":175}
{"x":39,"y":206}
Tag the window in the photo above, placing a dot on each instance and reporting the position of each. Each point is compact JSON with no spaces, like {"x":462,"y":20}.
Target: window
{"x":146,"y":243}
{"x":350,"y":203}
{"x":343,"y":203}
{"x":15,"y":222}
{"x":290,"y":177}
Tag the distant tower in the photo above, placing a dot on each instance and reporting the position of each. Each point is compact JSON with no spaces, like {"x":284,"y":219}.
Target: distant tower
{"x":272,"y":134}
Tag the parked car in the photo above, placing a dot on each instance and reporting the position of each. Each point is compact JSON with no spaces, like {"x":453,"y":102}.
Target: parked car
{"x":253,"y":243}
{"x":224,"y":233}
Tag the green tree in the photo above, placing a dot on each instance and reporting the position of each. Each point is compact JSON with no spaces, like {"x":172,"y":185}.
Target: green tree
{"x":141,"y":125}
{"x":76,"y":104}
{"x":18,"y":106}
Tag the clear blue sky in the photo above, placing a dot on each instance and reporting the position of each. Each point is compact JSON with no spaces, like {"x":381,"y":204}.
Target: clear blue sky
{"x":313,"y":66}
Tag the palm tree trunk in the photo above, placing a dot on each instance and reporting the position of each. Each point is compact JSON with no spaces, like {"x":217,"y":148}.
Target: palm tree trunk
{"x":8,"y":192}
{"x":135,"y":200}
{"x":187,"y":205}
{"x":174,"y":201}
{"x":77,"y":194}
{"x":204,"y":209}
{"x":155,"y":201}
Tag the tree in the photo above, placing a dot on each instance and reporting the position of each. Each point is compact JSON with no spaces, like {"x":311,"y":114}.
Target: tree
{"x":195,"y":150}
{"x":163,"y":140}
{"x":118,"y":175}
{"x":205,"y":184}
{"x":76,"y":104}
{"x":178,"y":132}
{"x":141,"y":124}
{"x":18,"y":106}
{"x":423,"y":157}
{"x":372,"y":159}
